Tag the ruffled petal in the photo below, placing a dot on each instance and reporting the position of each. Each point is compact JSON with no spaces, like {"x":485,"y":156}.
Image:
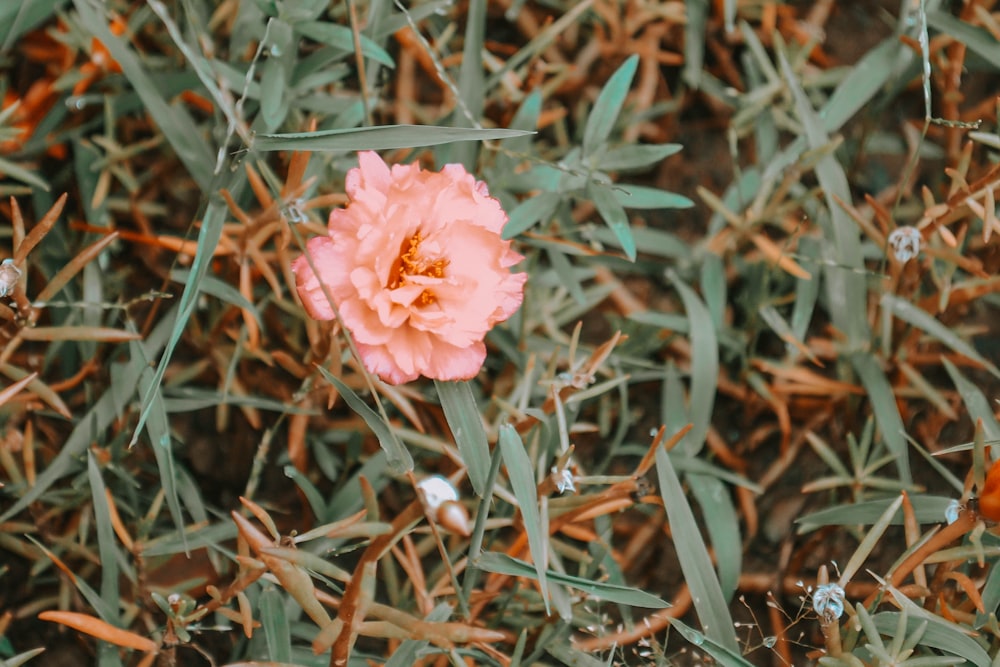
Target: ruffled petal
{"x":418,"y":270}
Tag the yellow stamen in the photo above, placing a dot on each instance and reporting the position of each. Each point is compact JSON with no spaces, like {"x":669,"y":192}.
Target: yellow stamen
{"x":409,"y":263}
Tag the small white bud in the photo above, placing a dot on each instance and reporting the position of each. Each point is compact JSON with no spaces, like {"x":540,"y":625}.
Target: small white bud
{"x":9,"y":275}
{"x":437,"y":490}
{"x":905,"y":242}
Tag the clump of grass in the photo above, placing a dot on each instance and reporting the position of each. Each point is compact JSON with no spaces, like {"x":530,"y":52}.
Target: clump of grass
{"x":759,"y":313}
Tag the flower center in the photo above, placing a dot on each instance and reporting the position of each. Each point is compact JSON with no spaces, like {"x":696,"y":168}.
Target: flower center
{"x":410,"y":263}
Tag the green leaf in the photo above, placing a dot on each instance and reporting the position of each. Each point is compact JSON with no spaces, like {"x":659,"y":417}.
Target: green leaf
{"x":396,"y":454}
{"x":806,"y":290}
{"x":614,"y":216}
{"x":704,"y":365}
{"x":191,"y":146}
{"x":274,"y":97}
{"x":845,"y":276}
{"x":18,"y":18}
{"x":274,"y":621}
{"x":377,"y":138}
{"x":927,"y":509}
{"x":538,"y":208}
{"x":655,"y":242}
{"x":974,"y":37}
{"x":637,"y":156}
{"x":208,"y":240}
{"x":941,"y":634}
{"x":466,"y":426}
{"x":471,"y":90}
{"x":696,"y":564}
{"x":106,"y":410}
{"x":562,"y":650}
{"x":608,"y":106}
{"x":919,"y":318}
{"x":492,"y":561}
{"x":724,"y":655}
{"x":220,"y":289}
{"x":158,"y":429}
{"x":521,"y":474}
{"x":640,"y":196}
{"x":975,"y":402}
{"x":695,"y":29}
{"x":713,"y":286}
{"x":883,"y":401}
{"x":16,"y":171}
{"x":723,"y":528}
{"x":21,"y":658}
{"x":105,"y":534}
{"x":313,"y":495}
{"x":342,"y":37}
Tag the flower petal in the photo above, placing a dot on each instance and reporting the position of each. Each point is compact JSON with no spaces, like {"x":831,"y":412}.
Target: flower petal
{"x":417,"y":268}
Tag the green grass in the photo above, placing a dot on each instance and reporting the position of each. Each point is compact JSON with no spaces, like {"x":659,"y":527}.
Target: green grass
{"x":703,"y":194}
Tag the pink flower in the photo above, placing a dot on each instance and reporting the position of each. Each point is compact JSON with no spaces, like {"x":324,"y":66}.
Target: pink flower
{"x":417,"y":269}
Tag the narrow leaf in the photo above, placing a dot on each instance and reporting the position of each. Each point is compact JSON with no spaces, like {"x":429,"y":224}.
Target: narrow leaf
{"x":704,"y":365}
{"x":614,"y":216}
{"x":467,"y":428}
{"x":95,"y":627}
{"x":883,"y":401}
{"x":696,"y":564}
{"x":919,"y":318}
{"x":492,"y":561}
{"x":274,"y":621}
{"x":377,"y":138}
{"x":724,"y":655}
{"x":608,"y":106}
{"x":396,"y":454}
{"x":975,"y":401}
{"x":208,"y":240}
{"x":521,"y":474}
{"x":723,"y":528}
{"x":642,"y":197}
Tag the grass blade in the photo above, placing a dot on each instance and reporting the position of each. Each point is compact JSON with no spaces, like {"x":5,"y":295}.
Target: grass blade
{"x":723,"y":528}
{"x":704,"y":365}
{"x":208,"y":240}
{"x":614,"y":216}
{"x":274,"y":620}
{"x":975,"y":401}
{"x":695,"y":28}
{"x":919,"y":318}
{"x":709,"y":602}
{"x":722,"y":654}
{"x":492,"y":561}
{"x":942,"y":634}
{"x":467,"y":427}
{"x":158,"y":429}
{"x":377,"y":138}
{"x":397,"y":456}
{"x":471,"y":95}
{"x":188,"y":142}
{"x":521,"y":474}
{"x":608,"y":106}
{"x":845,"y":281}
{"x":94,"y":423}
{"x":105,"y":534}
{"x":883,"y":401}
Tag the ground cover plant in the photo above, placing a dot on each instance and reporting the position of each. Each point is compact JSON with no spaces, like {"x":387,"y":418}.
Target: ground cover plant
{"x":502,"y":333}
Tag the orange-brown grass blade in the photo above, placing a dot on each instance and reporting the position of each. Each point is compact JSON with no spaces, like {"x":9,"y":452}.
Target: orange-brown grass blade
{"x":38,"y":232}
{"x":95,"y":627}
